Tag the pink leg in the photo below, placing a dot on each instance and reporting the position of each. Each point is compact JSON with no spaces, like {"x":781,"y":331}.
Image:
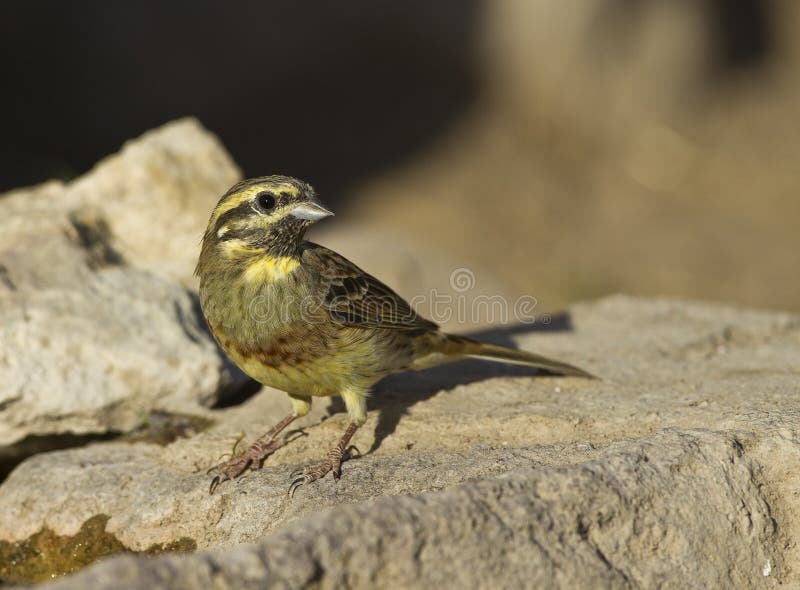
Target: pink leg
{"x":332,"y":463}
{"x":263,"y":446}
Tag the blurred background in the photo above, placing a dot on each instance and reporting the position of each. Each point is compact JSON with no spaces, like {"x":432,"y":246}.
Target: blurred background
{"x":570,"y":149}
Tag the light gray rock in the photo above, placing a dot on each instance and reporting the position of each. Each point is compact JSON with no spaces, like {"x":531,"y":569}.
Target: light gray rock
{"x":95,"y":329}
{"x":674,"y":509}
{"x":677,"y":469}
{"x":156,"y":195}
{"x":88,"y":345}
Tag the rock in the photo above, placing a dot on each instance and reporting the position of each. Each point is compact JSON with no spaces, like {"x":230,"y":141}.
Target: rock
{"x":156,"y":195}
{"x":679,"y":464}
{"x":639,"y":518}
{"x":95,"y":329}
{"x":90,"y":345}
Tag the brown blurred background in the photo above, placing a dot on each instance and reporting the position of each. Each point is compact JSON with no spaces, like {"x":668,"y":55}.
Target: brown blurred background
{"x":572,"y":148}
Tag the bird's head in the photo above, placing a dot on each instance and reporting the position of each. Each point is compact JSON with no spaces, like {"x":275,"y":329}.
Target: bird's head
{"x":269,"y":214}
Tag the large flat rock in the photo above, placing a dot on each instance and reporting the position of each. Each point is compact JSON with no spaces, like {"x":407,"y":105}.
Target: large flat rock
{"x":677,"y":468}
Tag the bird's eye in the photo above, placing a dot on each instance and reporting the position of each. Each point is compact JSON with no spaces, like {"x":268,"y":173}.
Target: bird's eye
{"x":266,"y":201}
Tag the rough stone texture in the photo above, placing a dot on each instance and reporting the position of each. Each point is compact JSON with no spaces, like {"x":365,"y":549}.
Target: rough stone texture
{"x":613,"y":523}
{"x":89,"y":343}
{"x":156,"y":195}
{"x":677,"y":469}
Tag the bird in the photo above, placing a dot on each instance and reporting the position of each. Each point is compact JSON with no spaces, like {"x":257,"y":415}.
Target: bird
{"x":301,"y":318}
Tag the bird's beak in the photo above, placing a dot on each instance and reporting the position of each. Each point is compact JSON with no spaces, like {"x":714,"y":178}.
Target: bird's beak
{"x":311,"y":210}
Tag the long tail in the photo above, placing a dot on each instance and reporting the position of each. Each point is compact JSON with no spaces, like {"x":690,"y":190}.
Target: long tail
{"x":451,"y":347}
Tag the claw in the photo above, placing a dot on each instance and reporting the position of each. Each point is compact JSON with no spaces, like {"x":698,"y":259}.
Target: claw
{"x":333,"y":463}
{"x":229,"y":456}
{"x":304,"y":475}
{"x":238,"y":464}
{"x":214,"y":483}
{"x":296,"y":483}
{"x":348,"y":454}
{"x":230,"y":469}
{"x":253,"y":457}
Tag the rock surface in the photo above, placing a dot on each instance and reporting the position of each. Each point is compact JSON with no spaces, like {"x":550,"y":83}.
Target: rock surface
{"x":95,"y":330}
{"x":90,"y":345}
{"x":678,"y":468}
{"x":156,"y":195}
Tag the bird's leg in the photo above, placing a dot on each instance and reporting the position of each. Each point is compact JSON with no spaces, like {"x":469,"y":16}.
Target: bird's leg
{"x":332,"y":463}
{"x":263,"y":446}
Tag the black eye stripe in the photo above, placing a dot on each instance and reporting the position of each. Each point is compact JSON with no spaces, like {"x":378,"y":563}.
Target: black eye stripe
{"x":246,"y":208}
{"x":235,"y":213}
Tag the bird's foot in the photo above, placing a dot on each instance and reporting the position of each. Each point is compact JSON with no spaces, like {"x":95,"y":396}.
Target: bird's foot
{"x":332,"y":464}
{"x":253,"y":457}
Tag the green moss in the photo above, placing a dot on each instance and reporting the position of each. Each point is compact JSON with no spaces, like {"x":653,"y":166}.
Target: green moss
{"x":45,"y":555}
{"x":181,"y":545}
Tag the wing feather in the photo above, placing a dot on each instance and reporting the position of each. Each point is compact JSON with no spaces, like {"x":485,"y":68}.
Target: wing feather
{"x":356,"y":298}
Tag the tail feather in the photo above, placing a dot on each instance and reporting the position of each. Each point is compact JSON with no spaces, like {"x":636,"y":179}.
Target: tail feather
{"x":461,"y":346}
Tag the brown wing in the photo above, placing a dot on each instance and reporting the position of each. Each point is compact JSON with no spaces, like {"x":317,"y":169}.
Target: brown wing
{"x":355,"y":298}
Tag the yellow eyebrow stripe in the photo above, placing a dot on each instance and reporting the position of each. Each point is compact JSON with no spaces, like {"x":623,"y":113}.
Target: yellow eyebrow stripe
{"x":240,"y":197}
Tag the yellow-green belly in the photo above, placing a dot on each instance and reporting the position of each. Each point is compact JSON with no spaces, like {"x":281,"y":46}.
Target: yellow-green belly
{"x":321,"y":362}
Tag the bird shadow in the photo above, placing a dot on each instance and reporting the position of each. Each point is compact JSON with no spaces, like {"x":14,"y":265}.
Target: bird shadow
{"x":394,"y":395}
